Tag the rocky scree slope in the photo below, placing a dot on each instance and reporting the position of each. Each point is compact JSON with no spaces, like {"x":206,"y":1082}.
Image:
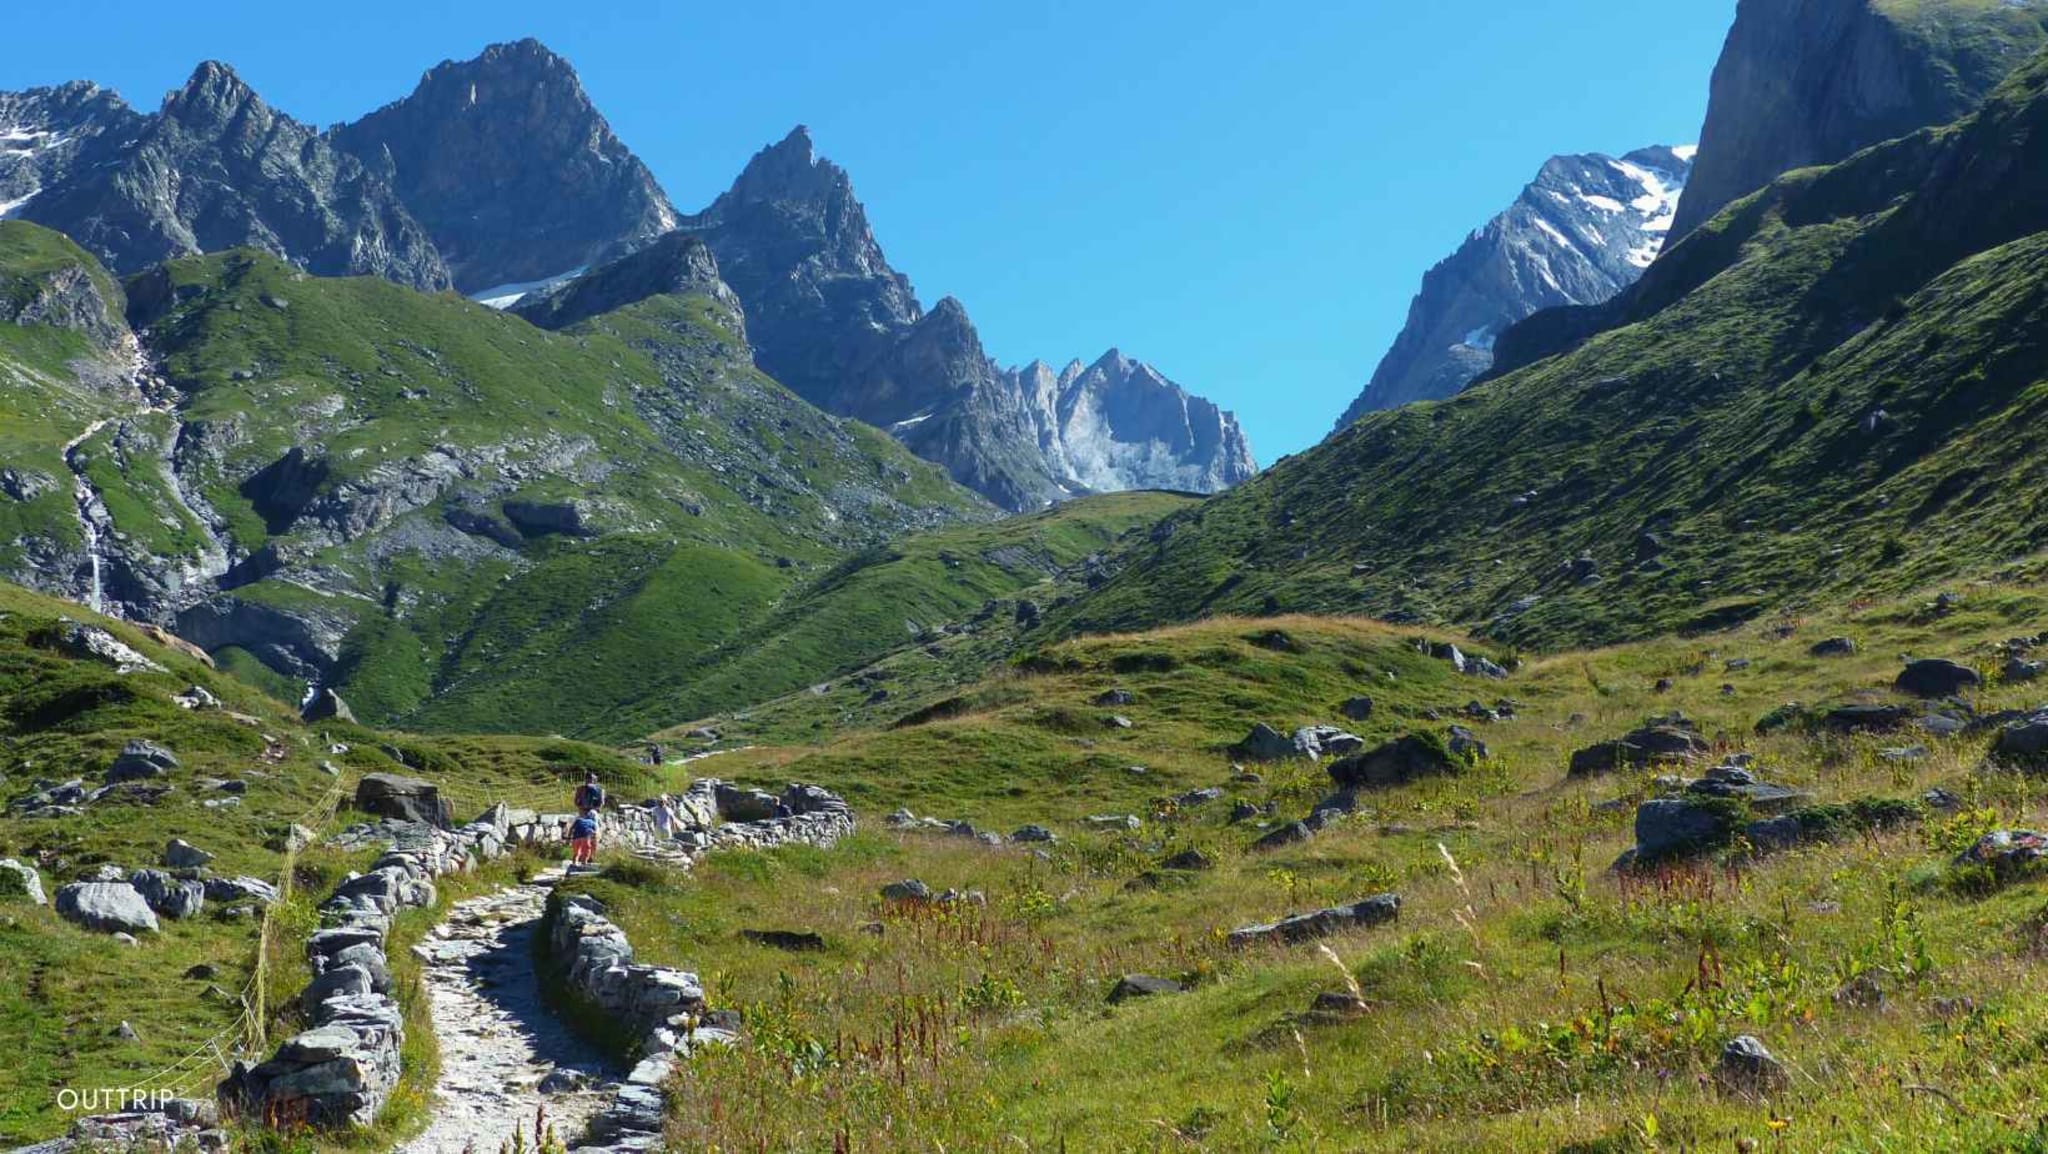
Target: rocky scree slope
{"x":435,"y":507}
{"x":1810,"y":82}
{"x":1582,"y":231}
{"x":1831,"y":384}
{"x":829,"y":317}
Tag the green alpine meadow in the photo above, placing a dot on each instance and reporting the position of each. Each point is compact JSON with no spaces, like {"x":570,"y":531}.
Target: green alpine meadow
{"x":495,"y":659}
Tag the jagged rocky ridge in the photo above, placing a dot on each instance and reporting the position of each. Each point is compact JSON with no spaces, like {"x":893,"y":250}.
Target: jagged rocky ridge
{"x":830,"y":318}
{"x":217,"y":168}
{"x":1582,"y":231}
{"x":497,"y":176}
{"x":1810,"y":82}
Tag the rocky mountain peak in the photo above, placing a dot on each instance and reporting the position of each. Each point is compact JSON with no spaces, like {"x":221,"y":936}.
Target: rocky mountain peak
{"x":791,"y":170}
{"x":511,"y":168}
{"x":1582,"y":231}
{"x":213,"y":93}
{"x":218,"y":168}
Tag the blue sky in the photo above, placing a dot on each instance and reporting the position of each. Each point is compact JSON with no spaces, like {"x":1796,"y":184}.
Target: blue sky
{"x":1244,"y":194}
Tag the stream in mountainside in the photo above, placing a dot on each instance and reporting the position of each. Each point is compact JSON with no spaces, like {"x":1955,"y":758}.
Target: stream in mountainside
{"x":92,"y":514}
{"x":498,"y":1040}
{"x":94,"y":521}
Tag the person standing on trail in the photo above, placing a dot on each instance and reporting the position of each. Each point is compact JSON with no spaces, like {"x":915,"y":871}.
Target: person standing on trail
{"x":583,"y":837}
{"x":589,"y":795}
{"x":667,"y":822}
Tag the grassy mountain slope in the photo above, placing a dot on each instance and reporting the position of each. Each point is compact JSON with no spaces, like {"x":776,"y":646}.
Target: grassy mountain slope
{"x":458,"y":520}
{"x":55,"y":379}
{"x":1525,"y":999}
{"x":66,"y":991}
{"x":918,"y":616}
{"x":1835,"y":384}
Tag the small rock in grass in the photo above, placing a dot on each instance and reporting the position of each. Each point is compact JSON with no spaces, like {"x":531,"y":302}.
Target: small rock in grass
{"x":794,"y":941}
{"x":1747,"y":1067}
{"x":907,"y":890}
{"x":182,"y":854}
{"x":1142,"y":986}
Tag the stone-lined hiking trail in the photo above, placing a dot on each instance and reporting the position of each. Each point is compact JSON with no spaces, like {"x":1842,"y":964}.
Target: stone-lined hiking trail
{"x":499,"y":1042}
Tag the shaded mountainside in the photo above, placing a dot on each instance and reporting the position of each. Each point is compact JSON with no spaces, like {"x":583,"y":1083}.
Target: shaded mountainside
{"x":1810,"y":81}
{"x":830,"y":317}
{"x":1582,"y":231}
{"x":423,"y":502}
{"x":514,"y":173}
{"x":1836,"y":383}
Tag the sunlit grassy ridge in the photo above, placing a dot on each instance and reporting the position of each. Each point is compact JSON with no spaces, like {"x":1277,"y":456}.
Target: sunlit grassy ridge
{"x":1838,"y":383}
{"x":1526,"y":998}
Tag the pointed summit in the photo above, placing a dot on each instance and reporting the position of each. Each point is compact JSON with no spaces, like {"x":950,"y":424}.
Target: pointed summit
{"x":510,"y":166}
{"x":791,"y":170}
{"x":213,"y":92}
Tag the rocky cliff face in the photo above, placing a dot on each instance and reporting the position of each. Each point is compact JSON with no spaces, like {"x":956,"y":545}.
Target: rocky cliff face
{"x":515,"y":174}
{"x":43,"y":131}
{"x":217,"y":168}
{"x":830,"y":318}
{"x":1582,"y":231}
{"x":1805,"y":82}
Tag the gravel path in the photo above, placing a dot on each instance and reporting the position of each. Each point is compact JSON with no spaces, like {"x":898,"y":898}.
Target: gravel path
{"x":497,"y":1039}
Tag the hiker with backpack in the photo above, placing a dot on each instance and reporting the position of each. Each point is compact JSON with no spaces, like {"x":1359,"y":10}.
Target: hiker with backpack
{"x":583,"y":831}
{"x":589,"y":795}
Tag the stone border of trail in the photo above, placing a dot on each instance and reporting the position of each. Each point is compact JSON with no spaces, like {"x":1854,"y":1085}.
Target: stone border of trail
{"x":664,"y":1008}
{"x":342,"y":1070}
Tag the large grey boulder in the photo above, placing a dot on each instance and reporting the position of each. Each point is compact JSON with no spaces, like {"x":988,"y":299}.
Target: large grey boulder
{"x":1937,"y":677}
{"x":182,"y":854}
{"x":327,"y":705}
{"x":404,"y":798}
{"x":1396,"y":762}
{"x":1669,"y":825}
{"x":1264,"y":743}
{"x":1142,"y":986}
{"x":908,"y":890}
{"x":106,"y":907}
{"x":1372,"y":911}
{"x":236,"y":889}
{"x":173,"y":897}
{"x":1665,"y":741}
{"x":2025,"y":740}
{"x":139,"y":760}
{"x":95,"y":643}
